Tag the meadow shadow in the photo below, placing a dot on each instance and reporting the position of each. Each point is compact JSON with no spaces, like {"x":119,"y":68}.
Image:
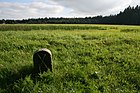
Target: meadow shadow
{"x":8,"y":77}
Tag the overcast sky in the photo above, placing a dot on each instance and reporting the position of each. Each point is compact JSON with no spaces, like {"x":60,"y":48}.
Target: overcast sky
{"x":23,"y":9}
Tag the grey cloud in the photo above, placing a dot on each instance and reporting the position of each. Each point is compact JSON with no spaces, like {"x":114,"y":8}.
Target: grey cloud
{"x":28,"y":10}
{"x":63,"y":8}
{"x":135,"y":2}
{"x":94,"y":7}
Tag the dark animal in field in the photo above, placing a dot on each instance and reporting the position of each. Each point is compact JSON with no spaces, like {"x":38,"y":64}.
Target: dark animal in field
{"x":42,"y":59}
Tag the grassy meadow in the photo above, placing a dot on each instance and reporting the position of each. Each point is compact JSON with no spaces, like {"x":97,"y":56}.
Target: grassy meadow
{"x":86,"y":58}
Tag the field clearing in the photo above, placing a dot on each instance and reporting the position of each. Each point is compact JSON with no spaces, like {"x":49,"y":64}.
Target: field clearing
{"x":86,"y":58}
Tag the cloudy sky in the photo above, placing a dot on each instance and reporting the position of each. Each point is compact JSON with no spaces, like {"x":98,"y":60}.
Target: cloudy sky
{"x":23,"y":9}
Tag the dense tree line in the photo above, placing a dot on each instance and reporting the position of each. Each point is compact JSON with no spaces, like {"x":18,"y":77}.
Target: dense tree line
{"x":130,"y":16}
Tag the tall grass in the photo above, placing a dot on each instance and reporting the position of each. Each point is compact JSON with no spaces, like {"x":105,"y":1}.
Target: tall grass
{"x":84,"y":60}
{"x":48,"y":27}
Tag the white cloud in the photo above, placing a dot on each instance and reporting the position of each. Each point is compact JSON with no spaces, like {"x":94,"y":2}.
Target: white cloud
{"x":62,"y":8}
{"x":94,"y":7}
{"x":28,"y":10}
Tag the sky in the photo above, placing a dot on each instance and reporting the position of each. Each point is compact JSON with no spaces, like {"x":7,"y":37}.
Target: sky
{"x":24,"y":9}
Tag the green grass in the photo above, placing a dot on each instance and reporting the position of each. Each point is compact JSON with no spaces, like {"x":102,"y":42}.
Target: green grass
{"x":86,"y":58}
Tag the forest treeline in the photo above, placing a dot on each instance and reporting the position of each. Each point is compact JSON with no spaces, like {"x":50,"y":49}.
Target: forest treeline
{"x":130,"y":16}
